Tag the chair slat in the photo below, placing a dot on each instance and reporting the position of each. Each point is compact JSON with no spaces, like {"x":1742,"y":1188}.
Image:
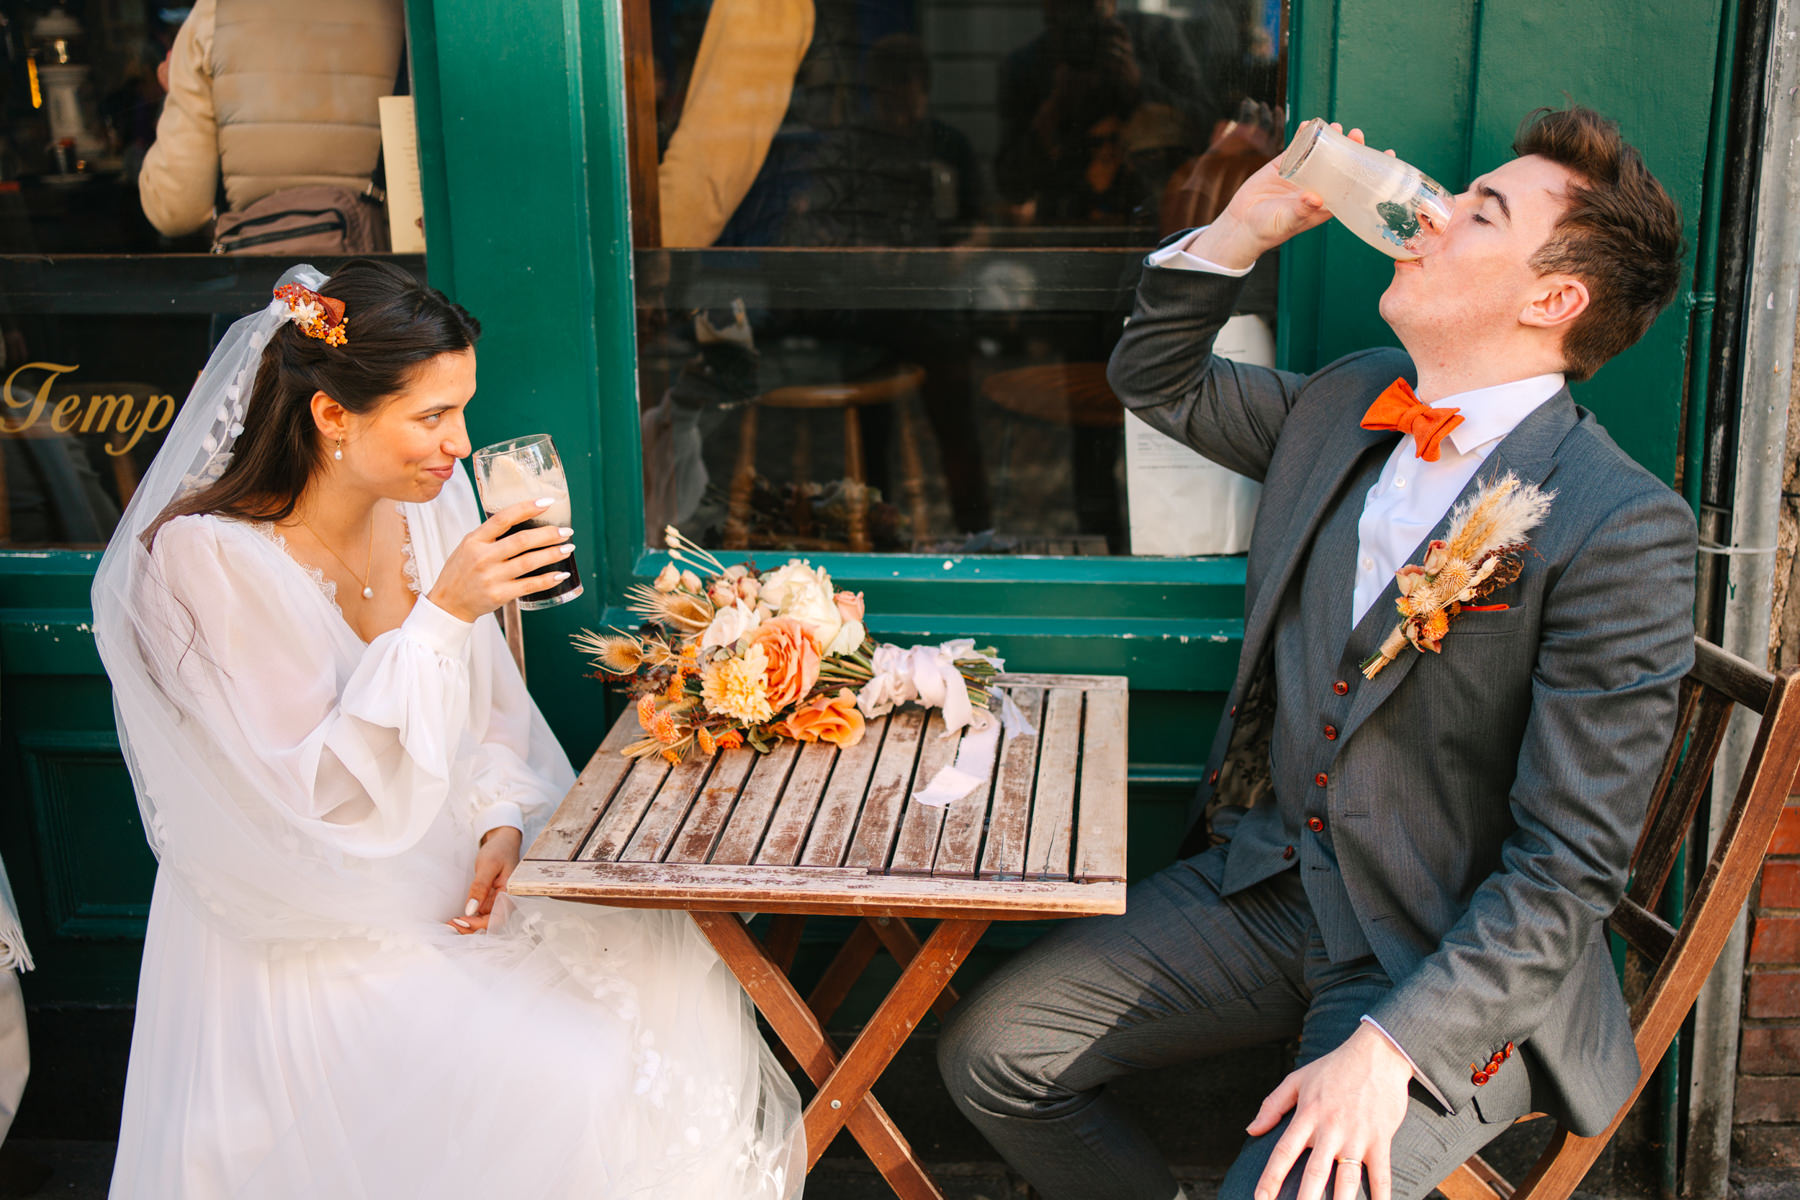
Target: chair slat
{"x":799,"y":801}
{"x":920,"y":824}
{"x":1686,"y":705}
{"x":1668,"y":826}
{"x":663,"y":819}
{"x":1010,"y":821}
{"x":744,"y":831}
{"x":627,"y":809}
{"x":587,"y":801}
{"x":1717,"y":668}
{"x":893,"y":774}
{"x":1100,"y":826}
{"x":706,"y":819}
{"x":834,"y":824}
{"x":1053,"y":808}
{"x":1648,"y":933}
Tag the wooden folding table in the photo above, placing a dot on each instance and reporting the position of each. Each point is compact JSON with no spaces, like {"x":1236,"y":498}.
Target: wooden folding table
{"x":810,"y":830}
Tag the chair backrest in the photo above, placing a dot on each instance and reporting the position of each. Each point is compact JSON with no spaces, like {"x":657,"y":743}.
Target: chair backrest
{"x":514,"y":626}
{"x":1678,"y":960}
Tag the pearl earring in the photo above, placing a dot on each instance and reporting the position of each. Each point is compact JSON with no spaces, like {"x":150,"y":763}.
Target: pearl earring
{"x":339,"y":452}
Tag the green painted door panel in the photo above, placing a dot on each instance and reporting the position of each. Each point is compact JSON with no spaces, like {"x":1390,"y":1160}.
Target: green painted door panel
{"x":1447,"y":85}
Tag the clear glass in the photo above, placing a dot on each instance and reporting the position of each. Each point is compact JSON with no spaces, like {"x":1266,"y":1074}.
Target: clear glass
{"x":883,"y":253}
{"x":528,"y":468}
{"x":1385,"y":201}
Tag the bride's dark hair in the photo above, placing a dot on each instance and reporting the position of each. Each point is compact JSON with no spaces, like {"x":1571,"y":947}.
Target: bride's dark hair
{"x":396,"y":324}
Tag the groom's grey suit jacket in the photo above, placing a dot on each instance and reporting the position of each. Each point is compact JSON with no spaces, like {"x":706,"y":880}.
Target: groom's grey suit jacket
{"x":1480,"y":805}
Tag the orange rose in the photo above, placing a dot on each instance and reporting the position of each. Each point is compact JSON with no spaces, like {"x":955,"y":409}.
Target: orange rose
{"x":833,"y":719}
{"x":793,"y":652}
{"x":729,"y":739}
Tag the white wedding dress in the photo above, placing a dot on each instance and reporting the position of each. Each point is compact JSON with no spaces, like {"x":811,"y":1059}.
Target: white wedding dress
{"x":307,"y":1026}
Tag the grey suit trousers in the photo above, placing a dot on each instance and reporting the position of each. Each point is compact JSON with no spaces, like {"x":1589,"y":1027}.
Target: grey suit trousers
{"x":1183,"y":974}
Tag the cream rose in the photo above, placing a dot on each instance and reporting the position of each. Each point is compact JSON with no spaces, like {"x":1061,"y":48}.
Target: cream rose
{"x":799,"y":591}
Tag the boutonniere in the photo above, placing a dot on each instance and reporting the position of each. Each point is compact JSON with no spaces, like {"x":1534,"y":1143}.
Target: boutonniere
{"x":1482,"y":554}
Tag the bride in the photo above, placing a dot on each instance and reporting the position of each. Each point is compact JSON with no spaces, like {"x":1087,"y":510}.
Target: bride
{"x":337,"y":764}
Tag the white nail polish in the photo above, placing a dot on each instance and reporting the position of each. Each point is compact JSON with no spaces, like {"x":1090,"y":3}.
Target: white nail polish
{"x":565,"y":533}
{"x":471,"y":908}
{"x":546,"y":502}
{"x":460,"y":923}
{"x":559,"y":576}
{"x":568,"y":549}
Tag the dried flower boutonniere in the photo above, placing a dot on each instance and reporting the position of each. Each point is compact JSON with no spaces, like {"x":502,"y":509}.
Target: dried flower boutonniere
{"x":1480,"y":556}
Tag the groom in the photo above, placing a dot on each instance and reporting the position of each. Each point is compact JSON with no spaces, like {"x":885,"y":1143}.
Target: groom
{"x":1408,"y":873}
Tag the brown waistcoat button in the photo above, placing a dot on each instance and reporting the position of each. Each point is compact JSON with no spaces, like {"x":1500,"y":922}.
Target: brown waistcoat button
{"x":1321,"y":779}
{"x":1315,"y":824}
{"x":1288,"y":852}
{"x":1331,"y":733}
{"x":1341,"y":688}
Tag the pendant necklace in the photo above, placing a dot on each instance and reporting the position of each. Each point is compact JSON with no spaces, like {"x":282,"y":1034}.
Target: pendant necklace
{"x":368,"y":592}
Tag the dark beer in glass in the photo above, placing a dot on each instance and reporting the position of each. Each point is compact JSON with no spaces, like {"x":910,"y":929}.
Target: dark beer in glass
{"x":520,"y":470}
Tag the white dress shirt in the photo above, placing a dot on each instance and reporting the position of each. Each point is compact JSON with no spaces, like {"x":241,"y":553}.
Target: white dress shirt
{"x":1412,"y":495}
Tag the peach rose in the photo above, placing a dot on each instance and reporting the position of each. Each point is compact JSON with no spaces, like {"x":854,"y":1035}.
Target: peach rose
{"x":849,"y":605}
{"x":793,"y":652}
{"x":831,"y":719}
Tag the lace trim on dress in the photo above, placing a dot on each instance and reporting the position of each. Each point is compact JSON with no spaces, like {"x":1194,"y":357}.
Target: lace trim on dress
{"x":326,"y":586}
{"x":409,"y":563}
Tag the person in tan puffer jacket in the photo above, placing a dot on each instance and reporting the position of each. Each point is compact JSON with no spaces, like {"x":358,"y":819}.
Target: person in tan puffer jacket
{"x":274,"y":94}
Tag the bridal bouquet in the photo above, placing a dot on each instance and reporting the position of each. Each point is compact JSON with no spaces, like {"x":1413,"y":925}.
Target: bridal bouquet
{"x":732,"y":656}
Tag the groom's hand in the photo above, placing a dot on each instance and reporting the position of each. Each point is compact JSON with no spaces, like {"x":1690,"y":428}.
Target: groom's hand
{"x":1347,"y":1107}
{"x":1266,"y":211}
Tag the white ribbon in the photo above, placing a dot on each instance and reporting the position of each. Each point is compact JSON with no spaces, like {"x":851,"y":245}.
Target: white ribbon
{"x":928,"y":675}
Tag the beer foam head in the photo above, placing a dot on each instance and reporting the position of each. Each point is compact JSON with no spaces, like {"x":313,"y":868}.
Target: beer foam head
{"x":509,"y":481}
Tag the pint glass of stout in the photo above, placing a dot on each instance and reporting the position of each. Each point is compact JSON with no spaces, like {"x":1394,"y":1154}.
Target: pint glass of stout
{"x":528,"y":468}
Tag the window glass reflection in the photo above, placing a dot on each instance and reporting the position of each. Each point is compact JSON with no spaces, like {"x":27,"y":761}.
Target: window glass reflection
{"x":887,"y":246}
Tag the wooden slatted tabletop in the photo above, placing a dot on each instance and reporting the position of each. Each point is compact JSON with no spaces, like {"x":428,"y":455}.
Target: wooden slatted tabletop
{"x":814,"y":829}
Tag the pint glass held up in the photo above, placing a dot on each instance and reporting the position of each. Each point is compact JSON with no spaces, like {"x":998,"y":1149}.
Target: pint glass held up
{"x":524,"y":469}
{"x":1386,"y":202}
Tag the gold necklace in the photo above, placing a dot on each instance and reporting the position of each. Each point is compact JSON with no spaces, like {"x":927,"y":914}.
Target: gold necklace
{"x":368,"y":593}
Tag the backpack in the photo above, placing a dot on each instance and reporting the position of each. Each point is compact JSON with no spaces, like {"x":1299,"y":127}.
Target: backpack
{"x":316,"y":219}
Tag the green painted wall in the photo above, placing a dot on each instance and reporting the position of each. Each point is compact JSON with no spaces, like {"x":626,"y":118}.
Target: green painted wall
{"x":522,"y":136}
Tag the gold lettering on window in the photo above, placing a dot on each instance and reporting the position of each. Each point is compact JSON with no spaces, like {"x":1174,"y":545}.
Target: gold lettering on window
{"x":119,"y":414}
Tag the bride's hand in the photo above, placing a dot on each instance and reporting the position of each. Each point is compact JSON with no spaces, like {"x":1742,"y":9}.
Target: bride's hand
{"x":486,"y":570}
{"x":494,"y":864}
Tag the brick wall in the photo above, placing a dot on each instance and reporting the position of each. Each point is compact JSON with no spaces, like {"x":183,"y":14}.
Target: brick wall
{"x":1767,"y":1114}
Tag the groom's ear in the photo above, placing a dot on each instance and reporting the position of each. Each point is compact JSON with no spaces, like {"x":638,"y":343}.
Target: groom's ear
{"x":331,"y":418}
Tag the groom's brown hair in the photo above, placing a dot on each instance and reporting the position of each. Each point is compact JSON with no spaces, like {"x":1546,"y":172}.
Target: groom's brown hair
{"x":1620,"y":235}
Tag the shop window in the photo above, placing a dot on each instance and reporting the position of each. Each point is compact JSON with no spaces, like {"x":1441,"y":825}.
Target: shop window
{"x":110,"y":296}
{"x":885,"y":247}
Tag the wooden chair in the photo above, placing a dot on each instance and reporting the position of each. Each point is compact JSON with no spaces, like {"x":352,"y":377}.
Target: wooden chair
{"x":1677,"y":961}
{"x":514,"y":627}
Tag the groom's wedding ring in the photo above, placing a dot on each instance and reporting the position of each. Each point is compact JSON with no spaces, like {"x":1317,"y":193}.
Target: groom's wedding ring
{"x":1349,"y":1162}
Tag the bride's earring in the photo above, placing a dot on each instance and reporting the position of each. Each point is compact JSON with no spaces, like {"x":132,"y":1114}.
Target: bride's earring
{"x":339,"y":452}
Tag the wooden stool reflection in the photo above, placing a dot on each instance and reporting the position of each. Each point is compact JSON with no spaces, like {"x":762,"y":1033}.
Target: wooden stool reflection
{"x":1073,"y":396}
{"x":895,"y":387}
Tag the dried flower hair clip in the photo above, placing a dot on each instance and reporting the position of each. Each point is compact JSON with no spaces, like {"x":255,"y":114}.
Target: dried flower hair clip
{"x":317,"y":316}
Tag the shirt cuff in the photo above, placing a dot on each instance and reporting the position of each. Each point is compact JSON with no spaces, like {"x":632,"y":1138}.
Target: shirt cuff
{"x":437,"y":629}
{"x":1175,"y":255}
{"x":1423,"y":1080}
{"x":503,"y":812}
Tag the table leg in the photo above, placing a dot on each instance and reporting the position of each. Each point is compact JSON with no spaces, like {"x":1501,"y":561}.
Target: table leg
{"x":844,"y":1099}
{"x":920,"y":983}
{"x":903,"y":944}
{"x":852,"y":958}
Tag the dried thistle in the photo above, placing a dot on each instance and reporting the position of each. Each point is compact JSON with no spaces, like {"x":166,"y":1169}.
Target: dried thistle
{"x":681,"y":611}
{"x":616,"y":653}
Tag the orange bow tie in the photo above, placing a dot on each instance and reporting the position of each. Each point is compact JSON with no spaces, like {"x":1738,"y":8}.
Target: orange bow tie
{"x":1397,"y":408}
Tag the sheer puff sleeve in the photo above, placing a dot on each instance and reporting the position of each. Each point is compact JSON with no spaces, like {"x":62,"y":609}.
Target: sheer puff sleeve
{"x":363,"y":763}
